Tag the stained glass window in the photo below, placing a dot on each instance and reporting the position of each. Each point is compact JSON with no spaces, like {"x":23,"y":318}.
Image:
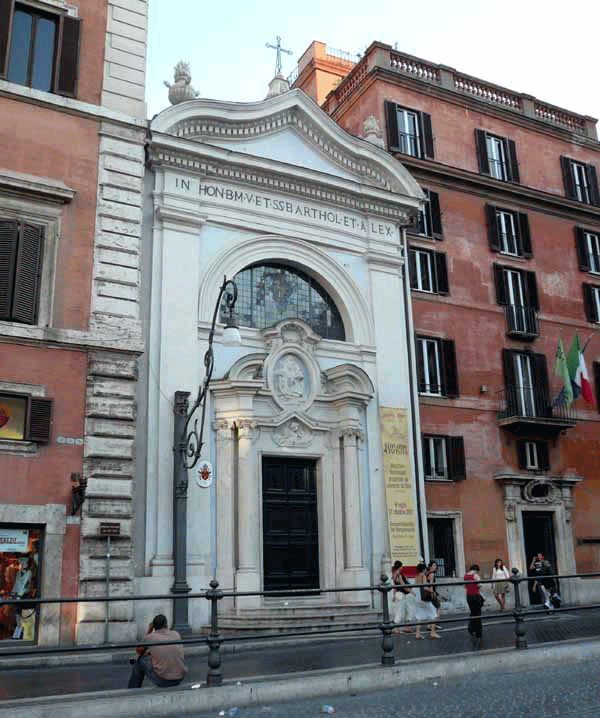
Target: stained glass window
{"x":268,"y":293}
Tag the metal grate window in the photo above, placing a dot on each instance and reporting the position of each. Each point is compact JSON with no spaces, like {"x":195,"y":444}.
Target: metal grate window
{"x":268,"y":293}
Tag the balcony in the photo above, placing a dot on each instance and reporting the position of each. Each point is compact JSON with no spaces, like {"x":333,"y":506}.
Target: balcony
{"x":521,"y":322}
{"x":528,"y":412}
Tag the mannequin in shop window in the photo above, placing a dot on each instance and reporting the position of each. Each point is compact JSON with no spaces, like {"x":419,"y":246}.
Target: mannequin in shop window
{"x":23,"y":587}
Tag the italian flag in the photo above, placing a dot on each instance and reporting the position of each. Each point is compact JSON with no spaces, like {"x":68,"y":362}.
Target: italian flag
{"x":578,"y":372}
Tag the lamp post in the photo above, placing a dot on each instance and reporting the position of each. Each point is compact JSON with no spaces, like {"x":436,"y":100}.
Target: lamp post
{"x":187,"y":447}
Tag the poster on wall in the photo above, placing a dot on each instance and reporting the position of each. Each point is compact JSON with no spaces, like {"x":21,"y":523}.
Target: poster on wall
{"x":399,"y":493}
{"x":12,"y":417}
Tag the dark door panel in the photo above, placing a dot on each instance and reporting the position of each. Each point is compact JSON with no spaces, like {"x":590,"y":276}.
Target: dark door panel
{"x":290,"y":533}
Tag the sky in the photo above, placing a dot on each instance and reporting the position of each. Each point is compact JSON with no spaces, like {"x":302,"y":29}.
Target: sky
{"x":546,"y":49}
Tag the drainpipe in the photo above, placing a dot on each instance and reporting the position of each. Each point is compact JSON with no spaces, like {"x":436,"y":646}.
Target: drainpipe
{"x":415,"y":422}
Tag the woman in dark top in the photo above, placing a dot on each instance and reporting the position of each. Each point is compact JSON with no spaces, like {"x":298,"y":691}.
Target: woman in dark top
{"x":474,"y":600}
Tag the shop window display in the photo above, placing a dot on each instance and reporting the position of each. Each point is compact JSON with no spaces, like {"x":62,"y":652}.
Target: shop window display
{"x":19,"y":579}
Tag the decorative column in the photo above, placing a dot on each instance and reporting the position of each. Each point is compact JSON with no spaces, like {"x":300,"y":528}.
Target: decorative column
{"x":352,"y":513}
{"x":225,"y":514}
{"x":247,"y":575}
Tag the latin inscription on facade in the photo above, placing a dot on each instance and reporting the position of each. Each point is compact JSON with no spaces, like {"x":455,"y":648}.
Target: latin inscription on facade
{"x":280,"y":206}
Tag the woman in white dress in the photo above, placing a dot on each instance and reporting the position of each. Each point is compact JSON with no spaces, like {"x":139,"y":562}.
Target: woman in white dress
{"x":425,"y":611}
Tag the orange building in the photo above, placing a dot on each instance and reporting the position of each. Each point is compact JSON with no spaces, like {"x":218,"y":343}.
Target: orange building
{"x":71,"y":150}
{"x":504,"y":263}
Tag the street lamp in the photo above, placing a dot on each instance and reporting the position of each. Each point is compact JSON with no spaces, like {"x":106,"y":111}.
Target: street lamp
{"x":187,"y":447}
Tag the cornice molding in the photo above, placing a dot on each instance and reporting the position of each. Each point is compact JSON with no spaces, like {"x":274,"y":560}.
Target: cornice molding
{"x":36,"y":187}
{"x":273,"y":179}
{"x":206,"y":120}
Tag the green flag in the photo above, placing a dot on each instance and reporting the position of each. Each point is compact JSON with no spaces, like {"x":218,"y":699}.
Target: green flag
{"x":565,"y":396}
{"x":573,"y":365}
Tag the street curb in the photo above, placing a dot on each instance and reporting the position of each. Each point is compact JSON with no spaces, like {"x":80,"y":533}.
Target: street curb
{"x":358,"y":679}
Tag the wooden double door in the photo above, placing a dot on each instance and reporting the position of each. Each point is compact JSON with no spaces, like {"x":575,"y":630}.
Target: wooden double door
{"x":290,"y":526}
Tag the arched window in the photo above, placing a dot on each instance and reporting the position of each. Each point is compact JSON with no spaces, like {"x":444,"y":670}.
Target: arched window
{"x":268,"y":293}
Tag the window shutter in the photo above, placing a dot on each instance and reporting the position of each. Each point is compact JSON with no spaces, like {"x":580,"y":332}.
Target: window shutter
{"x":27,"y":274}
{"x":532,"y":292}
{"x":420,"y":366}
{"x":426,"y":456}
{"x":593,"y":184}
{"x":500,"y":285}
{"x":521,"y":454}
{"x":39,"y":419}
{"x":539,"y":370}
{"x":524,"y":234}
{"x":412,"y":268}
{"x":596,"y":369}
{"x":65,"y":82}
{"x":513,"y":165}
{"x":588,"y":302}
{"x":510,"y":381}
{"x":449,"y":370}
{"x":441,"y":271}
{"x":567,"y":173}
{"x":582,"y":250}
{"x":435,"y":215}
{"x":391,"y":120}
{"x":492,"y":227}
{"x":482,"y":155}
{"x":9,"y":234}
{"x":6,"y":11}
{"x":543,"y":455}
{"x":426,"y":136}
{"x":456,"y":458}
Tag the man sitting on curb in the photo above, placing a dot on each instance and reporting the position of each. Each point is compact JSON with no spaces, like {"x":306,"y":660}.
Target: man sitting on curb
{"x":163,"y":665}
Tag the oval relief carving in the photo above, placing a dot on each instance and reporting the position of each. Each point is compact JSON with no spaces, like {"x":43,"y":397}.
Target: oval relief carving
{"x":290,"y":385}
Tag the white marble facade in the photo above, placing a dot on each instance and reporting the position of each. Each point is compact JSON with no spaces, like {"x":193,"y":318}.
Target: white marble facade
{"x":231,"y":185}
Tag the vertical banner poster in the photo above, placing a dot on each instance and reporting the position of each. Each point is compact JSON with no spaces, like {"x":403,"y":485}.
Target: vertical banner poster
{"x":399,"y":492}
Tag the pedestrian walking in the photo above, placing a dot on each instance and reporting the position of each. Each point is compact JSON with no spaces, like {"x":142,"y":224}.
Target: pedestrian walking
{"x":425,"y":611}
{"x":163,"y":665}
{"x":404,"y":598}
{"x":501,"y":587}
{"x":475,"y":601}
{"x":544,"y":586}
{"x":431,"y":574}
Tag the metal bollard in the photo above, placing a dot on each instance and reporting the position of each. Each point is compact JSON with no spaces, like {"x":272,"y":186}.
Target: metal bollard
{"x":214,"y":677}
{"x":387,"y":644}
{"x":520,"y":639}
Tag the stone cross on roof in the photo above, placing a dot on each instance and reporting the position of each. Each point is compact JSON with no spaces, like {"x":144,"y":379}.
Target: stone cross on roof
{"x":279,"y":50}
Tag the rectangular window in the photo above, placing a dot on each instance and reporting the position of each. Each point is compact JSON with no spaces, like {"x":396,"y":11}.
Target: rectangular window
{"x":516,"y":290}
{"x":39,"y":49}
{"x":526,"y":383}
{"x":409,"y":131}
{"x":436,"y":367}
{"x":508,"y":232}
{"x":580,"y":180}
{"x":588,"y":250}
{"x":430,"y":218}
{"x":25,"y":418}
{"x":21,"y":249}
{"x":428,"y":271}
{"x":443,"y":457}
{"x":533,"y":455}
{"x":591,"y":302}
{"x":496,"y":156}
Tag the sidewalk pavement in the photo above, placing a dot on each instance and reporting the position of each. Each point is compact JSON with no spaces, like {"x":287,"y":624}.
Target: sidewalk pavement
{"x":280,"y":671}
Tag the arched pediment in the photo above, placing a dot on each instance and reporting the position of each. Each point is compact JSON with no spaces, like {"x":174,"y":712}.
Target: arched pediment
{"x":253,"y":129}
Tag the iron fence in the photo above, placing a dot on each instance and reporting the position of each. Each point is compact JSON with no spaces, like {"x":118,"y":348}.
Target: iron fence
{"x":214,"y":640}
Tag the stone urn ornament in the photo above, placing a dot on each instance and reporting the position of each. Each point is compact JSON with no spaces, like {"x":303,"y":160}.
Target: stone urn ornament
{"x":181,"y":90}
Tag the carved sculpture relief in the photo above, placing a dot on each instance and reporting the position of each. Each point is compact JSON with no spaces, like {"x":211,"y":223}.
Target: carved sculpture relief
{"x":289,"y":379}
{"x":540,"y":491}
{"x":293,"y":433}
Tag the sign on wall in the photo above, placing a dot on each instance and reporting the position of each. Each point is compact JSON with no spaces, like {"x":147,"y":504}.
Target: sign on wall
{"x":399,"y":492}
{"x":14,"y":540}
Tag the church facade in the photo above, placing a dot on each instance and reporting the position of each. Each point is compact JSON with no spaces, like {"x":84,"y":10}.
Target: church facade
{"x":309,"y":223}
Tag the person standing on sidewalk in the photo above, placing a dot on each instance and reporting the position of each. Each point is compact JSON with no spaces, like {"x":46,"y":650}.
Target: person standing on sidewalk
{"x":404,"y":598}
{"x":474,"y":601}
{"x":164,"y":665}
{"x":501,"y":586}
{"x":425,"y":610}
